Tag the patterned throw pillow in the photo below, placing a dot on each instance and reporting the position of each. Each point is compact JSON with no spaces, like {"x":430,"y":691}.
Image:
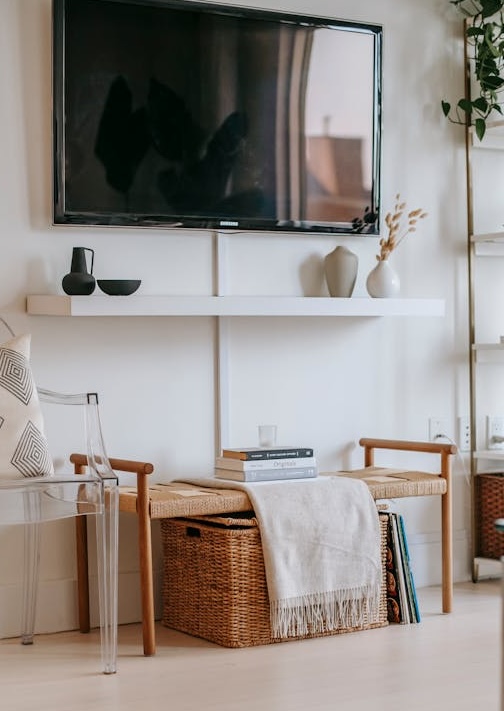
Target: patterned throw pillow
{"x":23,"y":446}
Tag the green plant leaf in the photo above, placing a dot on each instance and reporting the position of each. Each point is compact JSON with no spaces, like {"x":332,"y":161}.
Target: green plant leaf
{"x":494,"y":51}
{"x":490,"y":7}
{"x":480,"y":128}
{"x":465,"y":105}
{"x":475,"y":32}
{"x":481,"y":104}
{"x":492,"y":82}
{"x":484,"y":35}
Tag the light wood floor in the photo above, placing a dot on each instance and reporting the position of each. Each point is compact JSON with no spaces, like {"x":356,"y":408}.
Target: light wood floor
{"x":446,"y":662}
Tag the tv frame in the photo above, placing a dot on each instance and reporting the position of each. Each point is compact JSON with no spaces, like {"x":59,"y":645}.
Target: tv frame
{"x":367,"y":223}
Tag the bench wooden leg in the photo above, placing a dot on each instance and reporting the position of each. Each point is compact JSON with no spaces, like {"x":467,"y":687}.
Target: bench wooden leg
{"x":82,"y":573}
{"x":82,"y":563}
{"x":146,"y":580}
{"x":446,"y":535}
{"x":145,"y":559}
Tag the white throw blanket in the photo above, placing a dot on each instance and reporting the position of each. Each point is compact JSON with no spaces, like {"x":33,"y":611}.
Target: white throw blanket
{"x":321,"y":548}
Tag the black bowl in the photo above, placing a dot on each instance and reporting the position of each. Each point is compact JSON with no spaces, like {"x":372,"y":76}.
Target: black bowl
{"x":119,"y":287}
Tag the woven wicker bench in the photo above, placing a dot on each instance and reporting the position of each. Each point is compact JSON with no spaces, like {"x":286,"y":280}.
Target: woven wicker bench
{"x":178,"y":500}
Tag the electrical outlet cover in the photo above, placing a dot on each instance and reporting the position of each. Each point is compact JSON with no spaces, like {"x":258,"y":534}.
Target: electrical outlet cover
{"x":464,"y":434}
{"x":495,"y":432}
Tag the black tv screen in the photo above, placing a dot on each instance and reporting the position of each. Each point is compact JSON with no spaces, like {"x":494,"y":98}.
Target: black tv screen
{"x":196,"y":115}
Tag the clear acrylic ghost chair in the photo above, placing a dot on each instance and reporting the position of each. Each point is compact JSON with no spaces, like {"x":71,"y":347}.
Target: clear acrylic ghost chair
{"x":31,"y":501}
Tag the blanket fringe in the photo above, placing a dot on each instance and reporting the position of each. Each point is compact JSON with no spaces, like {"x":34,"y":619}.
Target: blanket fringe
{"x":324,"y":611}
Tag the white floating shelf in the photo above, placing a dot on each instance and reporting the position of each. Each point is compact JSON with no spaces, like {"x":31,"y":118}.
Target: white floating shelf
{"x":496,"y":125}
{"x":489,"y":244}
{"x":488,"y":346}
{"x":488,"y":352}
{"x":489,"y":454}
{"x":496,"y":237}
{"x":95,"y":305}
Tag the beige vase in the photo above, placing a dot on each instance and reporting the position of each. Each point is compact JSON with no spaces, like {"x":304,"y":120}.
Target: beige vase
{"x":340,"y":268}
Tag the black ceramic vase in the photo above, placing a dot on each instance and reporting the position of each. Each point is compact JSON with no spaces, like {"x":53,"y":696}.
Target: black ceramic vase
{"x":79,"y":281}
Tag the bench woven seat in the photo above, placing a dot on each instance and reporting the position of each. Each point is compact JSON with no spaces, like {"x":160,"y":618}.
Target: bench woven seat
{"x":385,"y":483}
{"x":174,"y":500}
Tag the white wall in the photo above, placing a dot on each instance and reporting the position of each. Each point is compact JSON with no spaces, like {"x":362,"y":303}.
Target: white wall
{"x":325,"y":382}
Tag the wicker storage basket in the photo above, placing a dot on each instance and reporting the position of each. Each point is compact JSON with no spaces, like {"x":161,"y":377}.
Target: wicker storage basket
{"x":214,"y":583}
{"x":489,"y":489}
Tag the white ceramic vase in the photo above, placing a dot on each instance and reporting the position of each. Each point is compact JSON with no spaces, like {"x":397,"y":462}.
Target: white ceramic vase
{"x":340,"y":268}
{"x":383,"y":281}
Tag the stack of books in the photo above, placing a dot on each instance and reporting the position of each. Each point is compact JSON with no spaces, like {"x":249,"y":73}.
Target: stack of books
{"x":402,"y":602}
{"x":260,"y":464}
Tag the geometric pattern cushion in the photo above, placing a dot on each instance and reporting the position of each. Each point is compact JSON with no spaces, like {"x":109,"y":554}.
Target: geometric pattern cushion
{"x":23,"y":446}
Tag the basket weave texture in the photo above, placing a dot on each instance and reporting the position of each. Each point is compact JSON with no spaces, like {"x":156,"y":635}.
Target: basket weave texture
{"x":214,"y":583}
{"x":489,"y":489}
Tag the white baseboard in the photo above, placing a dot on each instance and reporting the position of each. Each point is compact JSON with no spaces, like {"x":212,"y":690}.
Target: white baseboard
{"x":425,"y":553}
{"x":485,"y":568}
{"x":57,"y":604}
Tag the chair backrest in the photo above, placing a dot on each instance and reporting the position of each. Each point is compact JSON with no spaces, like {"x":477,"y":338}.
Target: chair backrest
{"x":32,"y":491}
{"x":24,"y":449}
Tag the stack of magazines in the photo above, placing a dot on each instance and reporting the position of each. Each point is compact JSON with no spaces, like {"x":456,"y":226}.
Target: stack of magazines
{"x":402,"y":601}
{"x":259,"y":464}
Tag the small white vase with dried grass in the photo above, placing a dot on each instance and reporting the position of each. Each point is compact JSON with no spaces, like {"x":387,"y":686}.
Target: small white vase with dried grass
{"x":383,"y":281}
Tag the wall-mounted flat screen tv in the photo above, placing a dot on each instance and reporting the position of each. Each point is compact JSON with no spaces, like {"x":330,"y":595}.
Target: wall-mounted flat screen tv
{"x":196,"y":115}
